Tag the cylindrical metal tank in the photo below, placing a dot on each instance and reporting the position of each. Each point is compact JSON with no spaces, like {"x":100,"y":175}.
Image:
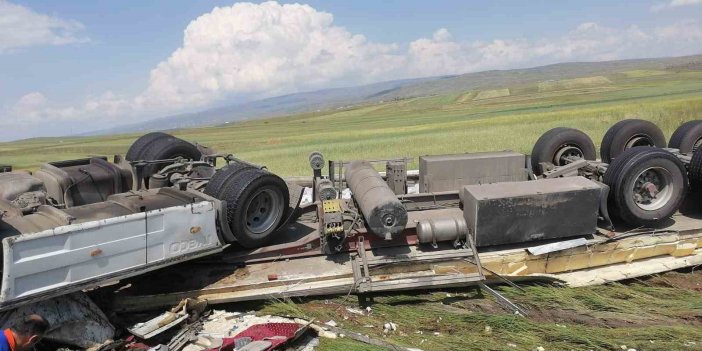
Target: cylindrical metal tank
{"x":434,"y":230}
{"x":384,"y":213}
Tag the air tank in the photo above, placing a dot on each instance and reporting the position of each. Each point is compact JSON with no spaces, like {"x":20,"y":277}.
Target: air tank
{"x":384,"y":213}
{"x":434,"y":230}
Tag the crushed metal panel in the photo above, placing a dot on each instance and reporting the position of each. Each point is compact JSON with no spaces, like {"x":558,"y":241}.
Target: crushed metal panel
{"x":451,"y":172}
{"x":65,"y":257}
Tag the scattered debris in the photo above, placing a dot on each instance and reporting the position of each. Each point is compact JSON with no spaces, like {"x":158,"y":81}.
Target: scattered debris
{"x":389,"y":326}
{"x":338,"y":332}
{"x":355,"y":311}
{"x":185,"y":309}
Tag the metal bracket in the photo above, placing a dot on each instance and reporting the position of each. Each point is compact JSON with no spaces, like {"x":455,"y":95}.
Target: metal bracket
{"x":566,"y":170}
{"x":363,"y":280}
{"x":503,"y":301}
{"x":361,"y":274}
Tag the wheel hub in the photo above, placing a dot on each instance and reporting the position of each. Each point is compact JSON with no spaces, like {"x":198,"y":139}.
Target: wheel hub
{"x":262,"y":211}
{"x":565,"y":153}
{"x":697,"y":144}
{"x":652,"y":189}
{"x":639,"y":140}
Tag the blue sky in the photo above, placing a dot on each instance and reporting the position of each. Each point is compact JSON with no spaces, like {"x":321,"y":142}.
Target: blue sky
{"x":73,"y":66}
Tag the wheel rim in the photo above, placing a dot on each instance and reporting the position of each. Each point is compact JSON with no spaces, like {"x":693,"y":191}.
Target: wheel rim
{"x":696,"y":145}
{"x":639,"y":140}
{"x":566,"y":151}
{"x":653,"y":188}
{"x":263,"y":210}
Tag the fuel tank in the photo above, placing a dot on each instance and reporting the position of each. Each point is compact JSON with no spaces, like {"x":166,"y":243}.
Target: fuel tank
{"x":385,"y":215}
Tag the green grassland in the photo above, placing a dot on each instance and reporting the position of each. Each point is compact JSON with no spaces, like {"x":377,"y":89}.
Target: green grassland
{"x":655,"y":313}
{"x":451,"y":123}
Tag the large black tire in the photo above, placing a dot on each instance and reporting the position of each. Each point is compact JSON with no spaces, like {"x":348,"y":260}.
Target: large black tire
{"x":694,"y":170}
{"x":257,"y":202}
{"x":137,"y":148}
{"x":628,"y":176}
{"x":216,"y":186}
{"x":168,"y":147}
{"x":687,"y":138}
{"x":558,"y":143}
{"x":629,"y":133}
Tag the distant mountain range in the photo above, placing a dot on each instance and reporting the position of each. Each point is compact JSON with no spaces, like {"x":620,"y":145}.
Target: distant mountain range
{"x":329,"y":99}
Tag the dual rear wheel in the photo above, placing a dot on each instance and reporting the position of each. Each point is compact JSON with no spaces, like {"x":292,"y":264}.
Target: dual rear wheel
{"x":646,"y":183}
{"x":160,"y":146}
{"x":257,"y":202}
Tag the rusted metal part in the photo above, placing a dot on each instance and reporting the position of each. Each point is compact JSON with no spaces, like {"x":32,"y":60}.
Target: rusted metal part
{"x":81,"y":182}
{"x":384,"y":213}
{"x":533,"y":210}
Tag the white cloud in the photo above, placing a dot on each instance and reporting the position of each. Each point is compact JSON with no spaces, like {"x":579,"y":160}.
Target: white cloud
{"x":674,"y":3}
{"x":264,"y":48}
{"x":269,"y":49}
{"x":587,"y":42}
{"x":20,"y":27}
{"x":35,"y":108}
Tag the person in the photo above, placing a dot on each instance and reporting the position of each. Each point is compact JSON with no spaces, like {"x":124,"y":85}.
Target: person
{"x":25,"y":334}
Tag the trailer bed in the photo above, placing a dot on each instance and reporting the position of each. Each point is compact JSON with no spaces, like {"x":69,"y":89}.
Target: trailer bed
{"x":607,"y":256}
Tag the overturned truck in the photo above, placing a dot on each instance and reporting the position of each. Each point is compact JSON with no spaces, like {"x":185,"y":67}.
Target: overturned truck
{"x":460,"y":219}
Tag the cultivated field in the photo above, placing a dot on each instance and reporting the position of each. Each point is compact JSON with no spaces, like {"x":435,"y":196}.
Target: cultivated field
{"x":661,"y":313}
{"x":455,"y":123}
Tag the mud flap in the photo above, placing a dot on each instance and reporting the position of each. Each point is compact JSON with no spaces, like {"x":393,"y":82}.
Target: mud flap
{"x":293,"y":210}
